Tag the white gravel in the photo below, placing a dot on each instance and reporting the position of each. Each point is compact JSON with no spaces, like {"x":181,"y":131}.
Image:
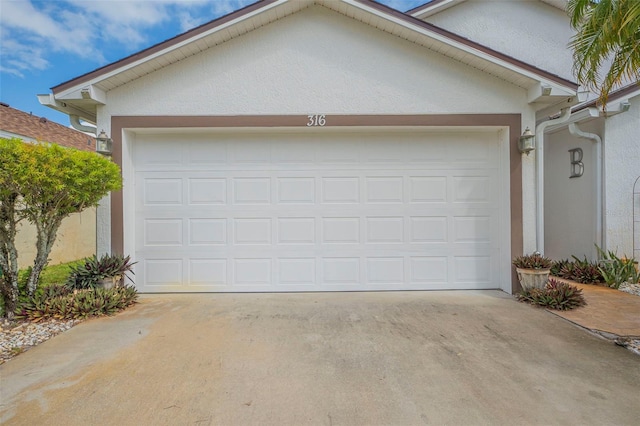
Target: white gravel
{"x":18,"y":337}
{"x":630,"y":288}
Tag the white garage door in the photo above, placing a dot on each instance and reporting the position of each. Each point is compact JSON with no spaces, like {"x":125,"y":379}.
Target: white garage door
{"x":317,"y":211}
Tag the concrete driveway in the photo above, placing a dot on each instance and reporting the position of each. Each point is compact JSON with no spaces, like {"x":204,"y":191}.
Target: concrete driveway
{"x":400,"y":358}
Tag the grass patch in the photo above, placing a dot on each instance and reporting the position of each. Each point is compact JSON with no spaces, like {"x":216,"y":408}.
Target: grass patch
{"x":52,"y":274}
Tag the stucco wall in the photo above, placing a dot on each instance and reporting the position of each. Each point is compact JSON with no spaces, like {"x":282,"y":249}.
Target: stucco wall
{"x":622,"y":166}
{"x":530,"y":30}
{"x":76,"y":239}
{"x":325,"y":63}
{"x":570,"y":203}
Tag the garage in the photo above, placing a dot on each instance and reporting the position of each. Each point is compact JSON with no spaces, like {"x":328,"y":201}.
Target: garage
{"x":318,"y":146}
{"x":329,"y":210}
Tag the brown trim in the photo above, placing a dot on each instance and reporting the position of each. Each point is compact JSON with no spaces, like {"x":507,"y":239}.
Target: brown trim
{"x":263,"y":3}
{"x":620,"y":93}
{"x":511,"y":121}
{"x":424,"y":6}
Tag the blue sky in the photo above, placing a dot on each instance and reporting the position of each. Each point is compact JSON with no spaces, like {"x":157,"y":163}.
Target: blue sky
{"x":47,"y":42}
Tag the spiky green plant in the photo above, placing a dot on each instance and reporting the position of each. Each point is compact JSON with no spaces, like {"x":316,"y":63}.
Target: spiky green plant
{"x":615,"y":270}
{"x":555,"y":295}
{"x":89,"y":273}
{"x":558,"y":265}
{"x":532,"y":261}
{"x":58,"y":301}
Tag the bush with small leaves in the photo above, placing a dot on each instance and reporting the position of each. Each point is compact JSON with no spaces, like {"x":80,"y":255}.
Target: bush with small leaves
{"x":556,"y":295}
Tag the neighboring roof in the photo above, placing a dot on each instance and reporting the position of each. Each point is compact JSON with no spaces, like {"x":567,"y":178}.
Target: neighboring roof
{"x":16,"y":123}
{"x":620,"y":95}
{"x":80,"y":95}
{"x":435,"y":6}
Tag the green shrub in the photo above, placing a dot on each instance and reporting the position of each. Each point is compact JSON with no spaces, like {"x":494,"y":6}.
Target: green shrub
{"x":615,"y":270}
{"x":60,"y":302}
{"x":556,"y":295}
{"x":92,"y":270}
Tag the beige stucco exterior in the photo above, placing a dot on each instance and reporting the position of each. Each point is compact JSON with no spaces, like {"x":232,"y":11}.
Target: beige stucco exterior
{"x":76,"y":239}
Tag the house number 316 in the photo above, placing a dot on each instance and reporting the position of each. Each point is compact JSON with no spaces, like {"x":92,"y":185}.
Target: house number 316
{"x":316,"y":120}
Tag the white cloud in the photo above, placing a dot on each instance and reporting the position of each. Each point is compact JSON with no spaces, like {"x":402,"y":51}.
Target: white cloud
{"x":34,"y":31}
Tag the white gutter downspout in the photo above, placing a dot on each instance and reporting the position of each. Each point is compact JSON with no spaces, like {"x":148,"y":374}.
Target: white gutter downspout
{"x":565,"y":114}
{"x":575,"y":131}
{"x":75,"y":123}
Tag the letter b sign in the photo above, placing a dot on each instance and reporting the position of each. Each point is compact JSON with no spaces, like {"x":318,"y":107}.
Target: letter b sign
{"x":577,"y":166}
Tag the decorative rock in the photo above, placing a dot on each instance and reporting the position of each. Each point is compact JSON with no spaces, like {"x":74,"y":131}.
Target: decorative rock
{"x":18,"y":337}
{"x":630,"y":288}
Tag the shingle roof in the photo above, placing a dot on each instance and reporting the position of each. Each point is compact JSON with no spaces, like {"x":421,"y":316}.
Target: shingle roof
{"x":39,"y":128}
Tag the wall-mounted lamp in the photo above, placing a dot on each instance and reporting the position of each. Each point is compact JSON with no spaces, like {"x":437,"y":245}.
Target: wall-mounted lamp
{"x":104,"y":144}
{"x":527,"y":142}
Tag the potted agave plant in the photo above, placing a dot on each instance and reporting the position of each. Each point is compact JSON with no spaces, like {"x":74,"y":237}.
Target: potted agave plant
{"x":533,"y":270}
{"x":108,"y":271}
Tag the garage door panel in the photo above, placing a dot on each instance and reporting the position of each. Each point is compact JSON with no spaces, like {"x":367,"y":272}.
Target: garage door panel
{"x":340,"y":230}
{"x":163,"y":192}
{"x":428,"y":189}
{"x":251,"y":190}
{"x":296,"y":271}
{"x":428,"y":229}
{"x":296,"y":230}
{"x":299,"y":212}
{"x":296,"y":190}
{"x":385,"y":189}
{"x":340,"y":190}
{"x":162,"y":232}
{"x":252,"y":231}
{"x":431,"y":270}
{"x":251,"y":271}
{"x":207,"y":272}
{"x":162,"y":271}
{"x":207,"y":232}
{"x":207,"y":191}
{"x":384,"y":230}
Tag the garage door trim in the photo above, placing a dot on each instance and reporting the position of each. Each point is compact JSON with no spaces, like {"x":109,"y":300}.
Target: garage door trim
{"x":511,"y":122}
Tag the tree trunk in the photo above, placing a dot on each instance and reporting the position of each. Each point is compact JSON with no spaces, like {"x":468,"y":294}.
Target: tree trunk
{"x":9,"y":254}
{"x":46,"y":237}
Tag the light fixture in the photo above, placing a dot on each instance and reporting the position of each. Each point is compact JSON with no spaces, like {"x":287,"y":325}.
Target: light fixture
{"x":527,"y":142}
{"x":104,"y":144}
